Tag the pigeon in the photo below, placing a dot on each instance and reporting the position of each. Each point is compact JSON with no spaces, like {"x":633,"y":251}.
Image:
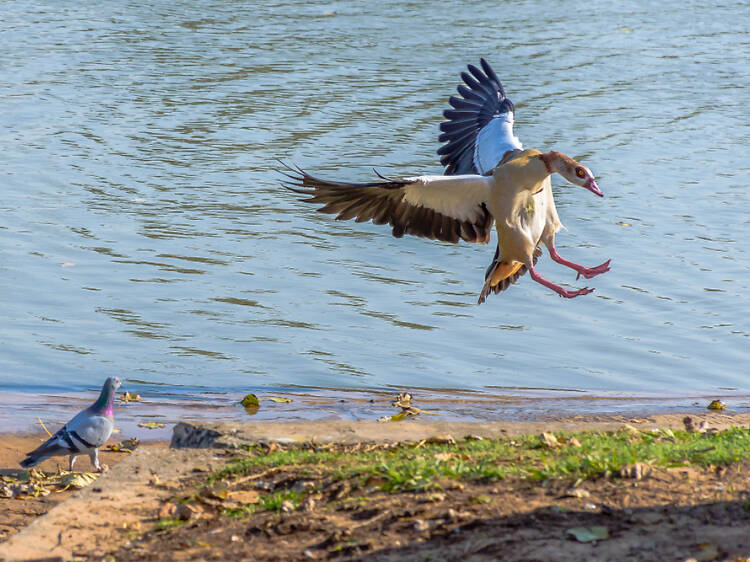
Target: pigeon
{"x":85,"y":433}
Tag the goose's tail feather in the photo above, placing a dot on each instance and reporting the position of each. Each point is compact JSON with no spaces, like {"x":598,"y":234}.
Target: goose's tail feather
{"x":501,"y":275}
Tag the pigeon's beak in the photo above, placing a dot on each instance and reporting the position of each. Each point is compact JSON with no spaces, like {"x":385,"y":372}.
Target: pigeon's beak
{"x":593,"y":188}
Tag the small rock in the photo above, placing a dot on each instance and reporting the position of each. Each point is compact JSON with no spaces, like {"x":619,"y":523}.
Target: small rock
{"x":688,"y":422}
{"x":287,"y":507}
{"x":235,"y":538}
{"x":474,"y":438}
{"x":717,"y":405}
{"x":309,"y":554}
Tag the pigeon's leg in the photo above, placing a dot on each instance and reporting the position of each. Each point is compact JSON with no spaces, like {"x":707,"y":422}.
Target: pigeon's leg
{"x":559,"y":290}
{"x":72,"y":461}
{"x":94,"y":456}
{"x":587,"y":272}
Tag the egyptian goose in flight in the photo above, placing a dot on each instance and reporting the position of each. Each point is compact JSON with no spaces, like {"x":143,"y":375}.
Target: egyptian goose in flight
{"x":489,"y":179}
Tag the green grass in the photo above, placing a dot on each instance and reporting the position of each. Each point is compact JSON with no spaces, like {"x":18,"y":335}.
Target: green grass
{"x":168,"y":523}
{"x":415,"y":468}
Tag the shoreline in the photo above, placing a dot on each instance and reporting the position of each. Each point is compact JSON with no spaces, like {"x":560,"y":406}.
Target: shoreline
{"x":21,"y":410}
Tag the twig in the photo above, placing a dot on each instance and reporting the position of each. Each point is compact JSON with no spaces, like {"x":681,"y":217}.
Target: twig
{"x":44,"y":428}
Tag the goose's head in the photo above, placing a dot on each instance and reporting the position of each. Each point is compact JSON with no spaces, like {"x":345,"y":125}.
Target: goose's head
{"x":575,"y":172}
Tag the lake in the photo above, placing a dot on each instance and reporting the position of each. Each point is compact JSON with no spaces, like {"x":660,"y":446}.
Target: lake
{"x":145,"y":233}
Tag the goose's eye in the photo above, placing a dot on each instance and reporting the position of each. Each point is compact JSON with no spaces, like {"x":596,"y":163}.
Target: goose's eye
{"x":580,"y":173}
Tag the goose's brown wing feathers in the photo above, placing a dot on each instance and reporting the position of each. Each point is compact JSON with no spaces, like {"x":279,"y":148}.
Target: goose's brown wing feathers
{"x":436,"y":207}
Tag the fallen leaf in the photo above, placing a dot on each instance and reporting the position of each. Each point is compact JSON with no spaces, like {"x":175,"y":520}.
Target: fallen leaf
{"x":635,"y":471}
{"x":550,"y":440}
{"x":621,"y":223}
{"x":278,"y":399}
{"x":168,"y":510}
{"x":706,"y":552}
{"x":573,"y":442}
{"x":151,"y":425}
{"x":78,"y":479}
{"x":244,"y":496}
{"x":250,"y":400}
{"x":127,"y":446}
{"x":403,"y":400}
{"x":589,"y":534}
{"x":128,"y":397}
{"x":717,"y":405}
{"x":443,"y":456}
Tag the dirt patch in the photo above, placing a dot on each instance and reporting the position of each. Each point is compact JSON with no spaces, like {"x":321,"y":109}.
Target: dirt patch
{"x":670,"y":514}
{"x":15,"y":514}
{"x":162,"y":504}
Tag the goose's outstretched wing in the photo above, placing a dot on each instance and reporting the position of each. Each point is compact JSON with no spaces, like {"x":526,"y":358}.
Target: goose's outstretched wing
{"x":479,"y":129}
{"x":447,"y":208}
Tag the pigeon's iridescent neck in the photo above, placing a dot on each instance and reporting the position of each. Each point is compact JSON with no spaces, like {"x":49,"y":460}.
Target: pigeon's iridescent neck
{"x":105,"y":403}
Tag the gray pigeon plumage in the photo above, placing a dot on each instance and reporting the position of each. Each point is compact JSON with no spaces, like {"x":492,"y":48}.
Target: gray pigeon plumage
{"x":85,"y":433}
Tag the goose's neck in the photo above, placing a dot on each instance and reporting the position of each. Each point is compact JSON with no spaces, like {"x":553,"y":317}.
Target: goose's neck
{"x":529,"y":172}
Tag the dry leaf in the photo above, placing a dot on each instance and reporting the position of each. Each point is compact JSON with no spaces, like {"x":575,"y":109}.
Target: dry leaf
{"x":244,"y":496}
{"x":443,"y":456}
{"x":550,"y":440}
{"x":403,"y":400}
{"x":78,"y":479}
{"x":250,"y":400}
{"x":717,"y":405}
{"x":151,"y":425}
{"x":277,"y":399}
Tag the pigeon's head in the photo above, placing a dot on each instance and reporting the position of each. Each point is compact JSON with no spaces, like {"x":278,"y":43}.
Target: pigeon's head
{"x":575,"y":172}
{"x":112,"y":384}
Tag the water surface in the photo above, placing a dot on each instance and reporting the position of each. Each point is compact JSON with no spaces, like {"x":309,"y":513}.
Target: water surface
{"x":145,"y":234}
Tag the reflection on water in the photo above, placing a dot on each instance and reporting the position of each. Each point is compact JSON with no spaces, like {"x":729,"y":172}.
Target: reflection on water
{"x":145,"y":233}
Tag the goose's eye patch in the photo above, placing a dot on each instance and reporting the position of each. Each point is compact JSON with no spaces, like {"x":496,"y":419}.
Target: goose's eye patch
{"x":580,"y":173}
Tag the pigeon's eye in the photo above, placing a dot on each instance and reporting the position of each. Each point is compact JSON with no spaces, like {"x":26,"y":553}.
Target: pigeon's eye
{"x":580,"y":173}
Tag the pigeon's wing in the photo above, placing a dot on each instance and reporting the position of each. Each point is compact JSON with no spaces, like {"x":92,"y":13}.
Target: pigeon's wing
{"x":92,"y":431}
{"x":85,"y":431}
{"x":448,"y":208}
{"x":479,"y":127}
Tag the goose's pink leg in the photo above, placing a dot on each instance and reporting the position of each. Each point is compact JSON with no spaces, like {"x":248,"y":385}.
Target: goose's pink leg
{"x":587,"y":272}
{"x":557,"y":288}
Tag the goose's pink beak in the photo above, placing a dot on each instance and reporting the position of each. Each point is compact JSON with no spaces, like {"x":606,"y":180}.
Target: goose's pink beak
{"x":593,"y":188}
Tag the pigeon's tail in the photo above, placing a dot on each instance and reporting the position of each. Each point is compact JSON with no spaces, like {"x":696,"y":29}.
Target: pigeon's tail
{"x":43,"y":453}
{"x":28,"y":462}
